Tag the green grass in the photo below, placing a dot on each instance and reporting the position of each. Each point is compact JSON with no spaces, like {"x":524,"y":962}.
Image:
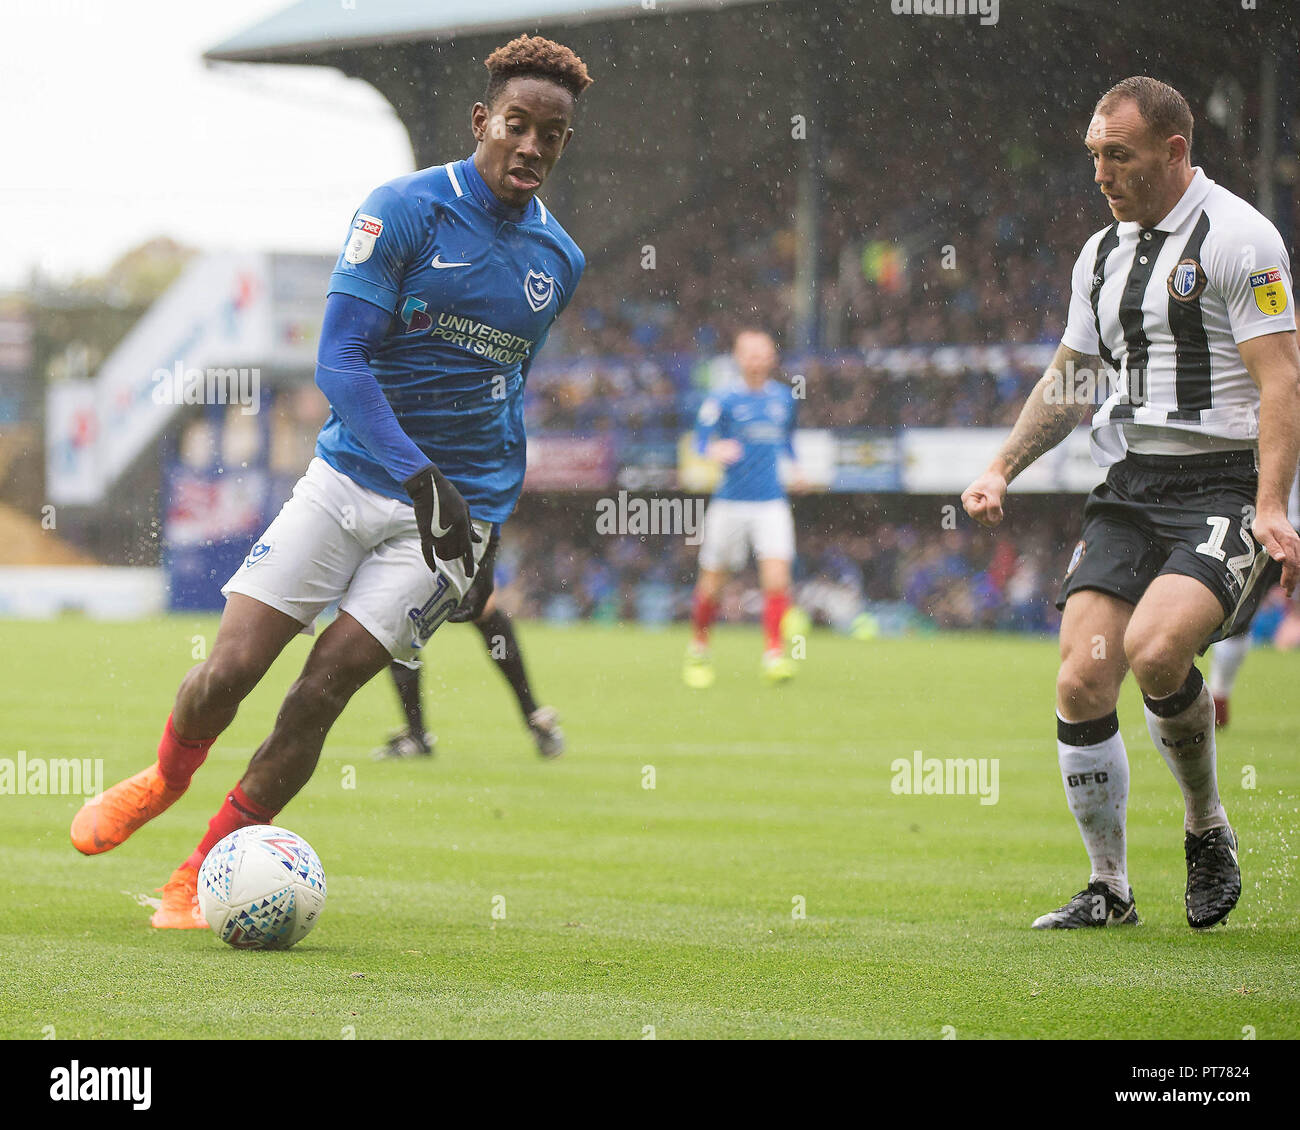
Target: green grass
{"x":628,"y":907}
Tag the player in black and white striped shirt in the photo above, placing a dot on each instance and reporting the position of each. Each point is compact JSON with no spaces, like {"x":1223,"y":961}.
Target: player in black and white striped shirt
{"x":1187,"y":296}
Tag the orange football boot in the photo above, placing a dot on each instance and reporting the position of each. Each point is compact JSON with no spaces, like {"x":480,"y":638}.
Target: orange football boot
{"x":108,"y":819}
{"x":180,"y":902}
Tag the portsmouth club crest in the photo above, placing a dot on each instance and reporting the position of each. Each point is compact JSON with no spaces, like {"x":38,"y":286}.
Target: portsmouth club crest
{"x":540,"y":289}
{"x":1186,"y":281}
{"x":259,"y":551}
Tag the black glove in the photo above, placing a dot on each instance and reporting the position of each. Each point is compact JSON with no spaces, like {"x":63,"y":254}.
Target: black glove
{"x":442,"y":518}
{"x":471,"y":608}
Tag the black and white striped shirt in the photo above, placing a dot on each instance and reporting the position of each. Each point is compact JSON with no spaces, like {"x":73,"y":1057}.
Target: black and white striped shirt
{"x":1166,"y":307}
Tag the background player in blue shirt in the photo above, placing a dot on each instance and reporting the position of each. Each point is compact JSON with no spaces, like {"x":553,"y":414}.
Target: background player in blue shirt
{"x":748,"y":429}
{"x":444,"y":293}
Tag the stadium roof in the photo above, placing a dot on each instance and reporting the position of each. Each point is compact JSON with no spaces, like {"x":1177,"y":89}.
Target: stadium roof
{"x":312,"y":26}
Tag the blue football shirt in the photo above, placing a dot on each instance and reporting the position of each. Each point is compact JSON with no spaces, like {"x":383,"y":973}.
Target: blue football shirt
{"x":763,"y":422}
{"x":473,"y":286}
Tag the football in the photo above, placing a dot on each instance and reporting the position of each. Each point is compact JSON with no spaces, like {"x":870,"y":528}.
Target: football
{"x":262,"y":888}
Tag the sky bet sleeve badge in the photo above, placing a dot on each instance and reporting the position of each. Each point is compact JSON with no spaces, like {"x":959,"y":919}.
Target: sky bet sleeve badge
{"x":1269,"y":290}
{"x":365,"y":230}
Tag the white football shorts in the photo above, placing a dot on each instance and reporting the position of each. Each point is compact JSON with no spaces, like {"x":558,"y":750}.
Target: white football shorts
{"x":336,"y":541}
{"x":732,"y":528}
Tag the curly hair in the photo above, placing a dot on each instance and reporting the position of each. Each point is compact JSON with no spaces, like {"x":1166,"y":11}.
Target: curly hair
{"x":539,"y":58}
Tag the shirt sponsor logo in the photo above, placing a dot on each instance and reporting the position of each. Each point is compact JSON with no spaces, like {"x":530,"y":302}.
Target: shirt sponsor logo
{"x":1269,"y":290}
{"x":365,"y":230}
{"x":1186,"y":281}
{"x":540,"y":289}
{"x":481,"y":339}
{"x":415,"y":315}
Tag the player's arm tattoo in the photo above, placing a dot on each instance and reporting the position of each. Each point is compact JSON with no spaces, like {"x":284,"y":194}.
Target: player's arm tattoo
{"x":1054,"y":409}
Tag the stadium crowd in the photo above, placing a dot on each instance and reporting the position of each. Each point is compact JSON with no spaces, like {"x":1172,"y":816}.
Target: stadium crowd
{"x":892,"y":559}
{"x":990,"y":267}
{"x":965,"y":259}
{"x":586,"y":396}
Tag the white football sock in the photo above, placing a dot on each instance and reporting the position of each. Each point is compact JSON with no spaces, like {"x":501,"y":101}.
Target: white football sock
{"x":1226,"y":658}
{"x":1186,"y":742}
{"x":1095,"y":776}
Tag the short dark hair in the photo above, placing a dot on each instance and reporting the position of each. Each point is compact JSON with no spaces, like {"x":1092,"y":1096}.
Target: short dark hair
{"x":1164,"y":110}
{"x":535,"y":57}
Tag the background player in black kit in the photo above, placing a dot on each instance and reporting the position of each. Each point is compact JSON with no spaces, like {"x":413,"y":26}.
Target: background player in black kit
{"x":498,"y":631}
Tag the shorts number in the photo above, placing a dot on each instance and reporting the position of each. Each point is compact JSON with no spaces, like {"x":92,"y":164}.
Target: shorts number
{"x":1213,"y":547}
{"x":425,"y":619}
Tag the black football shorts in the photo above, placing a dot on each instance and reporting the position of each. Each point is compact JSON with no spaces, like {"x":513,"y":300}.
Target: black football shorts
{"x":1187,"y":514}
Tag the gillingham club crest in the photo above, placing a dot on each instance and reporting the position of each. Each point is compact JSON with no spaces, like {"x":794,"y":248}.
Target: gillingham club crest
{"x":540,"y":289}
{"x":1186,"y":281}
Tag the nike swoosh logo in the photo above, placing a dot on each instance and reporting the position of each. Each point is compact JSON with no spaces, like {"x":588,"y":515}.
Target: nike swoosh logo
{"x":437,"y":262}
{"x":435,"y":522}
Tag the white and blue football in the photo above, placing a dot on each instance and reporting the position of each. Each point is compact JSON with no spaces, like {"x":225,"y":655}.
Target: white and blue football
{"x":262,"y":888}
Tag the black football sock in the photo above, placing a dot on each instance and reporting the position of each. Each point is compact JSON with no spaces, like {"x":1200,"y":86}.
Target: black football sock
{"x":499,"y":637}
{"x":408,"y":691}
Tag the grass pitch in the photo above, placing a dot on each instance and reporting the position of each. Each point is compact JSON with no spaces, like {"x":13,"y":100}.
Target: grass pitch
{"x":487,"y":894}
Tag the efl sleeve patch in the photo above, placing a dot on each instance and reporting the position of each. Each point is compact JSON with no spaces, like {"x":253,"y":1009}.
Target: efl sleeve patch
{"x":361,"y":243}
{"x":1269,"y":290}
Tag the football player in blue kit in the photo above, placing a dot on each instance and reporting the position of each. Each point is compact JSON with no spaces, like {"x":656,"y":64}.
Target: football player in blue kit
{"x":749,"y":429}
{"x":444,"y":292}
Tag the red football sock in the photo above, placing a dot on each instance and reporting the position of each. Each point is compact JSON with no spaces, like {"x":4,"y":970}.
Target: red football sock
{"x":703,"y":611}
{"x":236,"y":812}
{"x":179,"y":759}
{"x":774,"y":607}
